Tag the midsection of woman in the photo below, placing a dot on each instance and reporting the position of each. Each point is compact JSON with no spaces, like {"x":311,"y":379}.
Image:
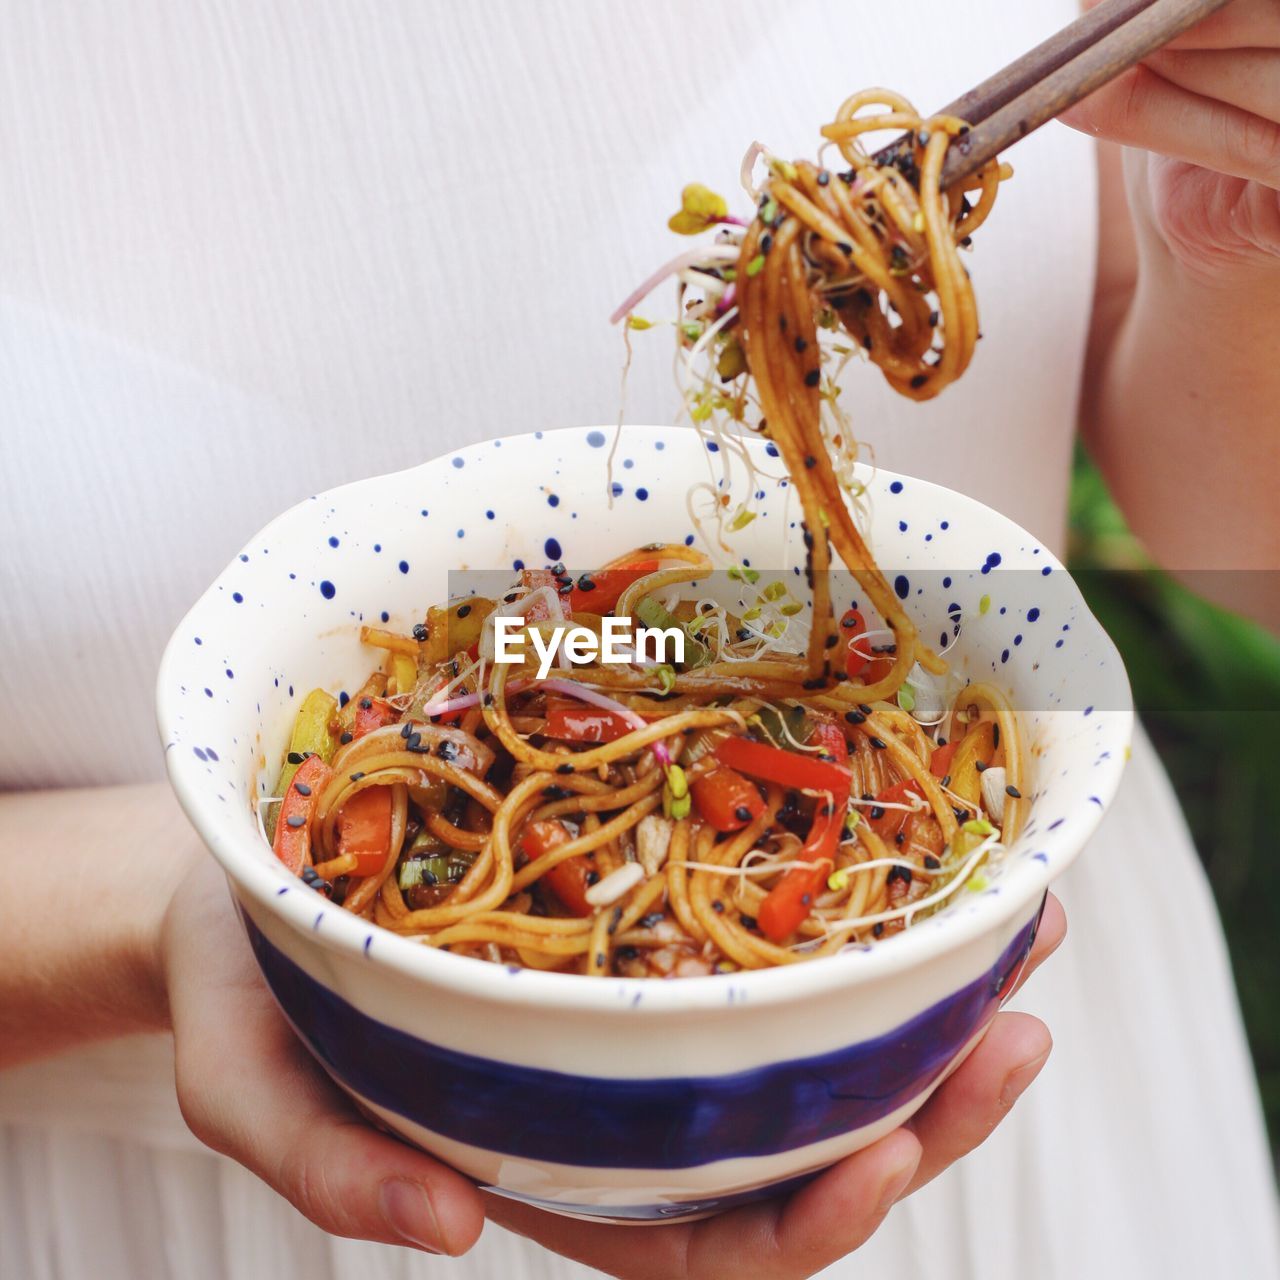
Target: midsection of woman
{"x":252,"y":250}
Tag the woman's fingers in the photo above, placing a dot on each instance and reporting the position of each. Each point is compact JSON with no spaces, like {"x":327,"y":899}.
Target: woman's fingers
{"x":251,"y":1091}
{"x":837,"y":1212}
{"x":1141,"y":109}
{"x":782,"y":1239}
{"x":1049,"y":935}
{"x":965,"y":1110}
{"x":1246,"y":24}
{"x":1244,"y":78}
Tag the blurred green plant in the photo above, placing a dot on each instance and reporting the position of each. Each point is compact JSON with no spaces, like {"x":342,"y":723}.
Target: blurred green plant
{"x":1209,"y":696}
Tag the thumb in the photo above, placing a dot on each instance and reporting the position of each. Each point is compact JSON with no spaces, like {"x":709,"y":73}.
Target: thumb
{"x":249,"y":1089}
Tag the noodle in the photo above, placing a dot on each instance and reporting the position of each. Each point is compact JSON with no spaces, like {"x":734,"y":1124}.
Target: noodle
{"x":753,"y":805}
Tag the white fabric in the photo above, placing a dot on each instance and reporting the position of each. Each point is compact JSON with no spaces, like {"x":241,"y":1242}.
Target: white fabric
{"x":231,"y":276}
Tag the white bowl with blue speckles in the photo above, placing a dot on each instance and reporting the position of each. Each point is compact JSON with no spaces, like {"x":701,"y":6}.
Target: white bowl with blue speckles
{"x":625,"y":1099}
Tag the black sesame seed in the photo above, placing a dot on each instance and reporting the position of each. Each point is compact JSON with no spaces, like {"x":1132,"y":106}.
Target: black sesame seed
{"x":931,"y":862}
{"x":653,"y":918}
{"x":900,"y":838}
{"x":878,"y":743}
{"x":592,"y":877}
{"x":810,"y":462}
{"x":811,"y":379}
{"x":806,"y":899}
{"x":406,"y":729}
{"x":487,"y":699}
{"x":718,"y":907}
{"x":866,"y":710}
{"x":558,"y":568}
{"x":855,"y":717}
{"x":877,"y":812}
{"x":1009,"y":791}
{"x":995,"y":735}
{"x":962,"y":814}
{"x":359,"y":773}
{"x":747,"y":922}
{"x":554,"y":792}
{"x":814,"y":684}
{"x":946,"y":782}
{"x":846,"y":248}
{"x":463,"y":610}
{"x":899,"y":873}
{"x":823,"y":177}
{"x":366,"y":704}
{"x":600,"y":959}
{"x":296,"y":820}
{"x":586,"y":584}
{"x":346,"y":737}
{"x":919,"y":380}
{"x":414,"y":742}
{"x":831,"y":642}
{"x":302,"y":789}
{"x":419,"y":631}
{"x":877,"y":930}
{"x":981,"y":766}
{"x":294,"y":757}
{"x":742,"y":813}
{"x":447,"y":750}
{"x":801,"y":344}
{"x":766,"y":242}
{"x":564,"y":768}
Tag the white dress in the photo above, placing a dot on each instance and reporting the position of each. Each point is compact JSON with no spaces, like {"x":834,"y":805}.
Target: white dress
{"x":253,"y":248}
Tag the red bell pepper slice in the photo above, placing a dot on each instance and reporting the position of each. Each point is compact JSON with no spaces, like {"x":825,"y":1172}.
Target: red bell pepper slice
{"x":791,"y":899}
{"x":940,"y":761}
{"x":788,"y":768}
{"x":378,"y":713}
{"x":608,"y":586}
{"x":292,"y":844}
{"x":364,"y":829}
{"x":569,"y":720}
{"x":891,"y":821}
{"x":569,"y":880}
{"x":830,"y":737}
{"x":852,"y":626}
{"x":725,"y":799}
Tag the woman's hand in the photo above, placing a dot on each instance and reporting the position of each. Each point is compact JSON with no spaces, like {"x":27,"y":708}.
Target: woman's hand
{"x":1202,"y":118}
{"x":1183,"y":369}
{"x":250,"y":1090}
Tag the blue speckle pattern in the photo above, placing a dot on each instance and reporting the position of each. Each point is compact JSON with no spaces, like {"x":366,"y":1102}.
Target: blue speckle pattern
{"x":266,"y":633}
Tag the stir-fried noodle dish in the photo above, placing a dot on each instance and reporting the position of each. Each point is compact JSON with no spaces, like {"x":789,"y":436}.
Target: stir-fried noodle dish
{"x":807,"y":776}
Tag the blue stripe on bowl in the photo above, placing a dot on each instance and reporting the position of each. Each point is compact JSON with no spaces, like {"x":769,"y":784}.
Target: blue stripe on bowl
{"x":668,"y":1209}
{"x":665,"y":1123}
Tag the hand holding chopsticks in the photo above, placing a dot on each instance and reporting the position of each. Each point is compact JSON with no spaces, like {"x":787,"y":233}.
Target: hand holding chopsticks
{"x":1067,"y":67}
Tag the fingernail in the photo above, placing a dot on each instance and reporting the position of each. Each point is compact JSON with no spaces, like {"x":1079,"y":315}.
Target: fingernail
{"x":896,"y":1183}
{"x":1016,"y":1081}
{"x":406,"y":1209}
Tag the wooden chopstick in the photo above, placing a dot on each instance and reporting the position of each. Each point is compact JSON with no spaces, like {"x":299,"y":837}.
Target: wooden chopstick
{"x":1109,"y":54}
{"x":998,"y":90}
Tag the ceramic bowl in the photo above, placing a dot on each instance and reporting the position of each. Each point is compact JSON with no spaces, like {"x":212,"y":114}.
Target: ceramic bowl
{"x":626,"y":1099}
